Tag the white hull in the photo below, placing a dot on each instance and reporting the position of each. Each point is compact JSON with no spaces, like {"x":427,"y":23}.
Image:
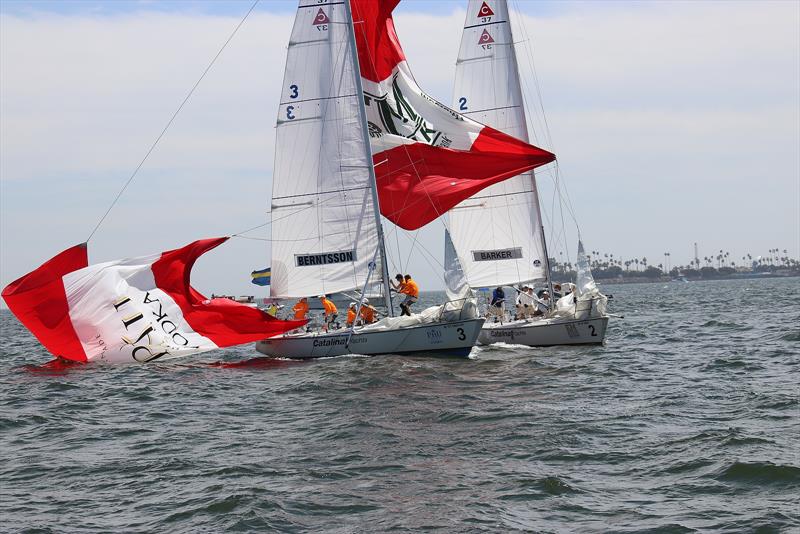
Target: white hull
{"x":546,"y":332}
{"x":440,"y":339}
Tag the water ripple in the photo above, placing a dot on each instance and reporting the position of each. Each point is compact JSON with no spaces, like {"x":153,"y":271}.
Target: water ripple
{"x":686,"y":421}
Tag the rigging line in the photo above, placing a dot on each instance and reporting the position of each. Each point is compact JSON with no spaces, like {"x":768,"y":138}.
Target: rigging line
{"x":338,"y":84}
{"x":563,"y":197}
{"x":529,"y":53}
{"x":426,"y":251}
{"x":411,"y":250}
{"x":397,"y":244}
{"x":153,"y":146}
{"x":238,"y":234}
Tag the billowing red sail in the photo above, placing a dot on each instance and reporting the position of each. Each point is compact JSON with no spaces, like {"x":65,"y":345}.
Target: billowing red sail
{"x":428,"y":157}
{"x":137,"y":309}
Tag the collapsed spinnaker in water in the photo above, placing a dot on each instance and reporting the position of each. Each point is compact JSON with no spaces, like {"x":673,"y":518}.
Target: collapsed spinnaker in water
{"x":131,"y":310}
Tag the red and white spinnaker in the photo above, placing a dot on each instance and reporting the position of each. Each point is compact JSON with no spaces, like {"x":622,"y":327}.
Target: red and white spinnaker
{"x":428,"y":157}
{"x":132,"y":310}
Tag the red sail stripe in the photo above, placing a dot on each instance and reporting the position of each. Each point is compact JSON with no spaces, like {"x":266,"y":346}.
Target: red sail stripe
{"x":39,"y":301}
{"x":379,"y":49}
{"x":418,"y":183}
{"x":223,"y":321}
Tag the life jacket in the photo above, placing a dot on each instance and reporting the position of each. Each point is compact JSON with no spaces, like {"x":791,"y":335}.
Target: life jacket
{"x":330,"y":307}
{"x":300,"y":309}
{"x":351,"y":316}
{"x":410,"y":288}
{"x":367,"y":314}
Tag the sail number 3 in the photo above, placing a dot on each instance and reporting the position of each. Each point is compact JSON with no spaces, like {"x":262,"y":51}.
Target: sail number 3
{"x":294,"y":92}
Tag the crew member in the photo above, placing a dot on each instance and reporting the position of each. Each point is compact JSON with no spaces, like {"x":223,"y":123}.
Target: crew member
{"x":330,"y":312}
{"x":351,"y":315}
{"x":496,"y":304}
{"x":543,"y":304}
{"x":400,"y":283}
{"x":367,"y":312}
{"x":556,"y":291}
{"x":411,"y":290}
{"x":300,"y":309}
{"x":525,"y":304}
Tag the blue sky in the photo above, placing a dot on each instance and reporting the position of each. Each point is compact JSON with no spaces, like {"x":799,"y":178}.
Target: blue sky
{"x":674,"y":122}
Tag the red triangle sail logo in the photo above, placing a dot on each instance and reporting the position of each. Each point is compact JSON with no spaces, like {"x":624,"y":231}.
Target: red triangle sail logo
{"x":485,"y":10}
{"x":321,"y":18}
{"x":485,"y":38}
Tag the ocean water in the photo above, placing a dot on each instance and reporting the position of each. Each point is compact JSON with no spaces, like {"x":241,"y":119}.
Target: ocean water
{"x":688,"y":419}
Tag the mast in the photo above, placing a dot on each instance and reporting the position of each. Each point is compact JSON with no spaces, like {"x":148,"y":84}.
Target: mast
{"x":372,"y":180}
{"x":534,"y":187}
{"x":548,"y":278}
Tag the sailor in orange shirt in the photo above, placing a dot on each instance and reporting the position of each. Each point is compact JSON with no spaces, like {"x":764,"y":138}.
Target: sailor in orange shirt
{"x":411,"y":290}
{"x":351,"y":314}
{"x":400,"y":283}
{"x":367,"y":312}
{"x":330,"y":311}
{"x":300,"y":309}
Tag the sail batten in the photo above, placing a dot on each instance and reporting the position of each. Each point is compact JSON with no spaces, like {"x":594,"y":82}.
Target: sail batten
{"x":487,"y":89}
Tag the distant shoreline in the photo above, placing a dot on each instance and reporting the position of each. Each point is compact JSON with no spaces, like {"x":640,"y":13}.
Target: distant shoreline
{"x":665,"y":279}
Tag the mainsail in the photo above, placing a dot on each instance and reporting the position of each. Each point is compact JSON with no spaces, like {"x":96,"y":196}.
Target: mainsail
{"x":324,"y":229}
{"x":428,"y":157}
{"x":497,"y":232}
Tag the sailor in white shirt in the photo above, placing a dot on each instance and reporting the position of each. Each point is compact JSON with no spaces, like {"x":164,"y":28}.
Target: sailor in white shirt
{"x":543,"y":304}
{"x":526,"y":303}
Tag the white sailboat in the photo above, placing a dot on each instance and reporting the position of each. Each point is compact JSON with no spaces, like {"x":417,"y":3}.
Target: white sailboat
{"x":498,"y":233}
{"x":327,"y":234}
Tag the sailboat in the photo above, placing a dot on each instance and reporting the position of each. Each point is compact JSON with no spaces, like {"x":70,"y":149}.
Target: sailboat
{"x":357,"y":138}
{"x":498,"y":233}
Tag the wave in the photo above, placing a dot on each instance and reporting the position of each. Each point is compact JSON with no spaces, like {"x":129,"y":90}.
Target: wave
{"x":760,"y":473}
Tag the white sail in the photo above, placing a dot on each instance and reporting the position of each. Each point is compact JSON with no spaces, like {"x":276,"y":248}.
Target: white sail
{"x":455,"y":283}
{"x":497,"y":232}
{"x":323,"y":215}
{"x":583,"y":277}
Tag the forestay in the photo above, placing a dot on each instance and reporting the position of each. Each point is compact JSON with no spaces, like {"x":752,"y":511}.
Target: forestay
{"x":323,"y":216}
{"x":496,"y":232}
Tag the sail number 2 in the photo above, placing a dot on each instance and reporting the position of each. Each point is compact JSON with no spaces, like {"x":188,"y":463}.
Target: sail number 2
{"x":462,"y":103}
